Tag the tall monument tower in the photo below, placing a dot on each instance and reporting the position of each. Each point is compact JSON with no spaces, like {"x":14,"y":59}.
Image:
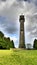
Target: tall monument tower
{"x":22,"y":37}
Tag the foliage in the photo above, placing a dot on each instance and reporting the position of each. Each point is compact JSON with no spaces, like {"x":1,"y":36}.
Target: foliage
{"x":5,"y":43}
{"x":1,"y":34}
{"x":13,"y":43}
{"x":35,"y":44}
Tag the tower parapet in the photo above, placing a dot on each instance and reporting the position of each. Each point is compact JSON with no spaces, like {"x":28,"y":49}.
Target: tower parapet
{"x":22,"y":18}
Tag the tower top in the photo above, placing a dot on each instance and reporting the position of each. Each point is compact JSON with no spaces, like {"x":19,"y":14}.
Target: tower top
{"x":22,"y":18}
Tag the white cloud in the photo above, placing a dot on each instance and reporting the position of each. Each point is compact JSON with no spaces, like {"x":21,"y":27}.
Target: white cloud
{"x":13,"y":8}
{"x":13,"y":38}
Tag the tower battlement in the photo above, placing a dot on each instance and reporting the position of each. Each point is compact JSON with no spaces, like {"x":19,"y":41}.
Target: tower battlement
{"x":21,"y":18}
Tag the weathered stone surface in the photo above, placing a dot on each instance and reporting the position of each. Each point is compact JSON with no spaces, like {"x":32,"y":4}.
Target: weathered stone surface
{"x":22,"y":37}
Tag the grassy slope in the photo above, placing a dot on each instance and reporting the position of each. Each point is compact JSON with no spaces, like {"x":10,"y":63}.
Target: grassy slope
{"x":18,"y":57}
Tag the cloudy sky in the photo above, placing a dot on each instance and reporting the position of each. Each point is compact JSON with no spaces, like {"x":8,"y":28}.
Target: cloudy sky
{"x":10,"y":10}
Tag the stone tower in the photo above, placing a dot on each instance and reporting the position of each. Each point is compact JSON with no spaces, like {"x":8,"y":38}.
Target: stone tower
{"x":22,"y":37}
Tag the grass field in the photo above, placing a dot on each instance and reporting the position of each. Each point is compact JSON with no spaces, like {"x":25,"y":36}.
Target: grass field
{"x":18,"y":57}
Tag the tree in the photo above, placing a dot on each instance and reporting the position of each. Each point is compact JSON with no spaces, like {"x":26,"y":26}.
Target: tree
{"x":5,"y":43}
{"x":35,"y":44}
{"x":1,"y":34}
{"x":7,"y":39}
{"x":13,"y":44}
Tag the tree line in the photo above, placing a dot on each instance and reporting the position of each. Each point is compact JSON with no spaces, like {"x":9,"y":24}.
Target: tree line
{"x":6,"y":43}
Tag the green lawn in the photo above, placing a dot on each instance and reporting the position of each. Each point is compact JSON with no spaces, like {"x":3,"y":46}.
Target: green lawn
{"x":18,"y":57}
